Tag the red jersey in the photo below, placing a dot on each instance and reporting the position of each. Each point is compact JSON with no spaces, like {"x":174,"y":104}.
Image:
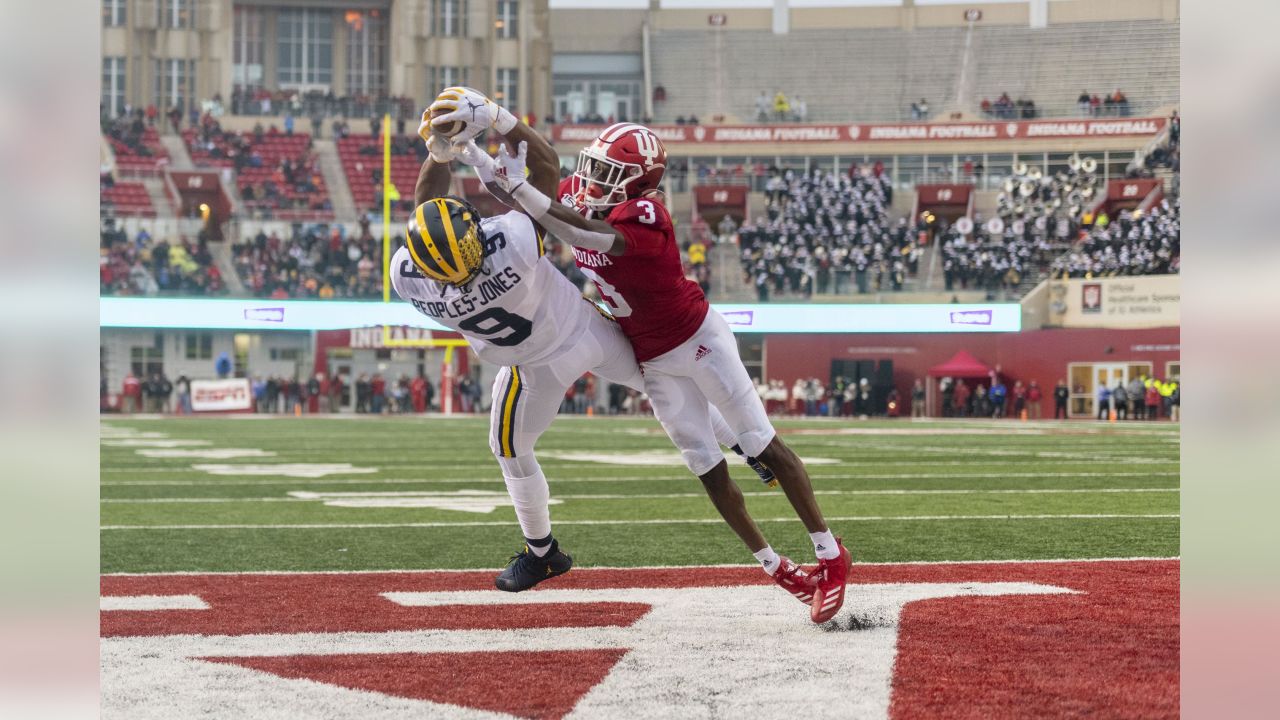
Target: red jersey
{"x":655,"y":304}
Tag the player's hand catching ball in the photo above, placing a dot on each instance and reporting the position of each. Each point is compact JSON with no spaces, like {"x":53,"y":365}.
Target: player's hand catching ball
{"x":469,"y":153}
{"x":460,"y":114}
{"x":511,"y":168}
{"x":441,"y":150}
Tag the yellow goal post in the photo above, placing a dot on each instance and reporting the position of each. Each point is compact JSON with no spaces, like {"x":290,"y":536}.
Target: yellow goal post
{"x":392,"y":335}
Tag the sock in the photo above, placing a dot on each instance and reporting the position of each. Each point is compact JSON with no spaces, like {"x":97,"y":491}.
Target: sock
{"x":539,"y":547}
{"x":529,"y":493}
{"x":768,"y":559}
{"x":824,"y":544}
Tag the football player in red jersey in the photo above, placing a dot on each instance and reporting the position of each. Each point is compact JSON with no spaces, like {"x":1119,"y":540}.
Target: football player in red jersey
{"x":611,"y":212}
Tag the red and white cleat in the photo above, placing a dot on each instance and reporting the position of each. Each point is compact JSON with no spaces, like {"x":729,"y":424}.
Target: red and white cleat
{"x":792,"y":578}
{"x":829,"y":579}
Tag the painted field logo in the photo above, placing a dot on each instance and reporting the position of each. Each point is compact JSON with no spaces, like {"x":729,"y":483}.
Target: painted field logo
{"x":971,"y":317}
{"x":638,"y":643}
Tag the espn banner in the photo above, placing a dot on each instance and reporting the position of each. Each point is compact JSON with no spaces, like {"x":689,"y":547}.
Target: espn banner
{"x":900,"y":132}
{"x":221,"y":395}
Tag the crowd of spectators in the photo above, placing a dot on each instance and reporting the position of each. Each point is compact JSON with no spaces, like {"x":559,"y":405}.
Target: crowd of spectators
{"x":145,"y":266}
{"x":1167,"y":154}
{"x":845,"y":397}
{"x":822,"y":230}
{"x":988,"y":261}
{"x":1135,"y":243}
{"x":993,"y":398}
{"x":317,"y":261}
{"x":1006,"y":108}
{"x":1114,"y":105}
{"x":318,"y":104}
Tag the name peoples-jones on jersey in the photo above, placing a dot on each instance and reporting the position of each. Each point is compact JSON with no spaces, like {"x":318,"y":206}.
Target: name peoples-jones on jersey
{"x":490,"y":288}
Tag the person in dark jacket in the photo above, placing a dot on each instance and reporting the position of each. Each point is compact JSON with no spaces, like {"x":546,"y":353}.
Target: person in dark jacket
{"x":1060,"y":395}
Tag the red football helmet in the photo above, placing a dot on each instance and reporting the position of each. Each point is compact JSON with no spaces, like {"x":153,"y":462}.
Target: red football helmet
{"x":624,"y":162}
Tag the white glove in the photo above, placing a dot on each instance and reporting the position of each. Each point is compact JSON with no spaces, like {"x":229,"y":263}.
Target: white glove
{"x":424,"y":127}
{"x":469,"y":153}
{"x":440,"y":149}
{"x":471,"y":107}
{"x":511,"y":168}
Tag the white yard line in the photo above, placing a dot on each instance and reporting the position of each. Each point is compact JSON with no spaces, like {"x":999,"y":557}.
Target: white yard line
{"x":496,"y":478}
{"x":142,"y":603}
{"x":688,"y":521}
{"x":1008,"y":459}
{"x":646,"y":496}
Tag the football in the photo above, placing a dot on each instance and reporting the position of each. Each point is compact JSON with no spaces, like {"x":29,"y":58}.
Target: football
{"x":448,"y":129}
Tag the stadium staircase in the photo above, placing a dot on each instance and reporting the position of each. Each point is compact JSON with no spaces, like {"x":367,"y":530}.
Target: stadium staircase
{"x":344,"y":206}
{"x":221,"y":253}
{"x":179,"y":158}
{"x":159,"y":198}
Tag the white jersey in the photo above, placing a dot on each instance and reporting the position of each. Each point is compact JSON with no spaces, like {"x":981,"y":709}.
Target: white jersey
{"x":519,"y":310}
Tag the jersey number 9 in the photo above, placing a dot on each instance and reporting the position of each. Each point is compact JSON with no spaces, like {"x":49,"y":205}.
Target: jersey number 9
{"x":496,"y":320}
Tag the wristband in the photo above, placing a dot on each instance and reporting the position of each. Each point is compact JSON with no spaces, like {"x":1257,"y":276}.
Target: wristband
{"x":505,"y":122}
{"x":485,"y":169}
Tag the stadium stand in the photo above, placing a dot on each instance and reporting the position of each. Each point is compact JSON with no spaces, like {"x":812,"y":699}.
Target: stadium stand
{"x":125,"y":198}
{"x":1133,"y":244}
{"x":145,"y":266}
{"x":1053,"y":65}
{"x":135,"y":143}
{"x":276,"y":172}
{"x":361,"y":157}
{"x":869,"y":74}
{"x":996,"y":262}
{"x":827,"y":233}
{"x":316,"y":262}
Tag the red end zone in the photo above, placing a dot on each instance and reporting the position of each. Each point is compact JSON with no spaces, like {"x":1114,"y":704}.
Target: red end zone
{"x":1109,"y":649}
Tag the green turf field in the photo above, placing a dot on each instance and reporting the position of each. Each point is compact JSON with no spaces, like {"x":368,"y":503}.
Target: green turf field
{"x":896,"y":491}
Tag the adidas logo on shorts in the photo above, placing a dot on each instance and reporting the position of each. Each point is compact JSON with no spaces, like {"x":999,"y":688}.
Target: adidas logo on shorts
{"x":703,"y":351}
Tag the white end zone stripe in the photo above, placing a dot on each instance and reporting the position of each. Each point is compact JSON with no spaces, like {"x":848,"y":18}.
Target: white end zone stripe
{"x":598,"y":595}
{"x":437,"y":571}
{"x":151,"y":602}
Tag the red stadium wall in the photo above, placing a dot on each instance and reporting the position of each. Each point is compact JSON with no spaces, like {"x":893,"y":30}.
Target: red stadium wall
{"x":1040,"y":355}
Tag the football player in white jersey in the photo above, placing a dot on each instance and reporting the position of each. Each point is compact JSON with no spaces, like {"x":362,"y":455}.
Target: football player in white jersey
{"x":487,"y":279}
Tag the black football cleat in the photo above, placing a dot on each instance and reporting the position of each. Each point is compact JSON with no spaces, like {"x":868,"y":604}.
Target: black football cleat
{"x":766,"y":475}
{"x":526,"y":569}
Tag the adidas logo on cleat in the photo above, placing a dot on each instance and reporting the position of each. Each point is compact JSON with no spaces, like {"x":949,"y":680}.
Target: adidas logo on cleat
{"x":702,"y":352}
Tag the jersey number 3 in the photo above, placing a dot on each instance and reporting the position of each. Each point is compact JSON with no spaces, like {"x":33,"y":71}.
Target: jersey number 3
{"x":495,"y":320}
{"x":617,"y":305}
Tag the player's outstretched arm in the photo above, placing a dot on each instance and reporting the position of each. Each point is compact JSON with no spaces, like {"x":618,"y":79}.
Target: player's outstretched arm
{"x":434,"y":178}
{"x":559,"y":220}
{"x":542,"y":162}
